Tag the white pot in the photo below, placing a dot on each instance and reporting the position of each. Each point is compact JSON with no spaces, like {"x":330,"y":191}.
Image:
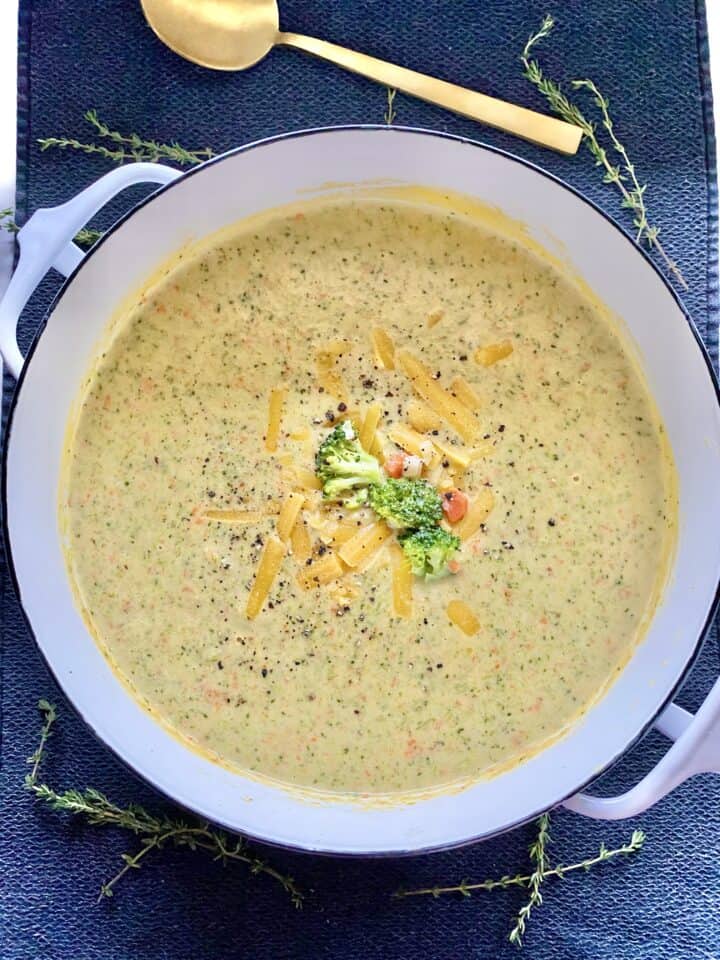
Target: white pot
{"x":280,"y":171}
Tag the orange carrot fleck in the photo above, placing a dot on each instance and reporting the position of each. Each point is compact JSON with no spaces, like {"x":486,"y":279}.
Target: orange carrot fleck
{"x":394,"y":465}
{"x":454,"y":505}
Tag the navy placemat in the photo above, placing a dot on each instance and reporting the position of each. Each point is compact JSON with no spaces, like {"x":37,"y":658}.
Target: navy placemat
{"x":651,"y":58}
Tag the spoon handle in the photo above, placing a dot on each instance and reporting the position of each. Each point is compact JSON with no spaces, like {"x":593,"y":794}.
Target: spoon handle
{"x":537,"y":127}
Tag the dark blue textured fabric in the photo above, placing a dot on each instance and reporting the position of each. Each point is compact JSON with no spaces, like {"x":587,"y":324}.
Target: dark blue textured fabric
{"x":650,"y":56}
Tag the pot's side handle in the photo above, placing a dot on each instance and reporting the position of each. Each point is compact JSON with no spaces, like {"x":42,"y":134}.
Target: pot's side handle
{"x":696,"y":750}
{"x":46,"y":241}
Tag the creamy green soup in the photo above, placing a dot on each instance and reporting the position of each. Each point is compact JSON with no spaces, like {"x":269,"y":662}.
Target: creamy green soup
{"x":171,"y":496}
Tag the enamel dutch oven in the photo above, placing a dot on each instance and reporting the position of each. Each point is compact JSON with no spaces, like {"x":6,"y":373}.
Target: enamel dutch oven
{"x":282,"y":170}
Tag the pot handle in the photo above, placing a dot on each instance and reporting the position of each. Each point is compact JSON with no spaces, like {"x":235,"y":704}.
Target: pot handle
{"x":696,"y":750}
{"x":46,"y":241}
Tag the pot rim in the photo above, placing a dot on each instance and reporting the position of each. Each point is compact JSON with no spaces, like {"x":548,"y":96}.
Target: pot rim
{"x":291,"y":135}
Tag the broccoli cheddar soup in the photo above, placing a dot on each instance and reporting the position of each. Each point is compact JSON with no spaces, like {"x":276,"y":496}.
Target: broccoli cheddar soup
{"x":367,"y":497}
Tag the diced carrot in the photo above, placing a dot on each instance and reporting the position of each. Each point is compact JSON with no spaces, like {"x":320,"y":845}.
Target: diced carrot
{"x":454,"y":504}
{"x":394,"y":465}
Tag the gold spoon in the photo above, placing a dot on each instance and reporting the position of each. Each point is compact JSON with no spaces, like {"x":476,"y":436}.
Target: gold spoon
{"x":235,"y":34}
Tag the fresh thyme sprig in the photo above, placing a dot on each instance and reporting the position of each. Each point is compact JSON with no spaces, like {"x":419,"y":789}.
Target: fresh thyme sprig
{"x":69,"y":143}
{"x":128,"y":146}
{"x":87,"y":237}
{"x":390,"y":113}
{"x":622,"y":175}
{"x":538,"y":856}
{"x":84,"y":237}
{"x":49,"y":717}
{"x":465,"y":888}
{"x":154,"y":831}
{"x":532,"y":881}
{"x":7,"y":222}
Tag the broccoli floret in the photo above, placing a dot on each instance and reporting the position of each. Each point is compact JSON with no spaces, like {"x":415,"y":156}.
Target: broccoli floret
{"x":406,"y":504}
{"x":345,"y":469}
{"x":429,"y":551}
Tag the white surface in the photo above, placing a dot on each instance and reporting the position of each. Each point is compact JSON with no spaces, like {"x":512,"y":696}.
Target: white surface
{"x":282,"y":171}
{"x":8,"y":62}
{"x":8,"y":67}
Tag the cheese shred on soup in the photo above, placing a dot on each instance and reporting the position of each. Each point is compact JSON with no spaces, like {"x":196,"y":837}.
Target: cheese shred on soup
{"x":286,"y":634}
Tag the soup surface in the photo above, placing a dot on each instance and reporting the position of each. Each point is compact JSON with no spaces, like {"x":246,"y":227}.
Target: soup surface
{"x":171,"y":496}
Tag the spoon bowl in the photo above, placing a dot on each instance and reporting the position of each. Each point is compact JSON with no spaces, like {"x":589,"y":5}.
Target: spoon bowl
{"x":220,"y":34}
